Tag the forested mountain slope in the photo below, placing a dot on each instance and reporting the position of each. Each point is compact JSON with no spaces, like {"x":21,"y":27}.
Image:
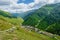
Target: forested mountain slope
{"x":46,"y":18}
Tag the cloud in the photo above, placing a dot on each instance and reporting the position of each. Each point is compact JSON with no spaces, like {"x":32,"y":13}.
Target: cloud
{"x":13,"y":7}
{"x":4,"y":2}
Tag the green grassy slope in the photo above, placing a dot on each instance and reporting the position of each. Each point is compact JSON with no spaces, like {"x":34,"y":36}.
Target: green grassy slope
{"x":23,"y":34}
{"x":7,"y":20}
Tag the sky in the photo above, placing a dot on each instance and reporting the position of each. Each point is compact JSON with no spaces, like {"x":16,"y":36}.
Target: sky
{"x":25,"y":1}
{"x":19,"y":6}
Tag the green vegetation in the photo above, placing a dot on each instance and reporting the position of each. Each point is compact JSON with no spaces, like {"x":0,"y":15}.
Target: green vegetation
{"x":46,"y":18}
{"x":23,"y":34}
{"x":7,"y":21}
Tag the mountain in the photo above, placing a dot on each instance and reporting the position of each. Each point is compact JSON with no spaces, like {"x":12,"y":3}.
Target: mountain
{"x":46,"y":18}
{"x":10,"y":29}
{"x":22,"y":15}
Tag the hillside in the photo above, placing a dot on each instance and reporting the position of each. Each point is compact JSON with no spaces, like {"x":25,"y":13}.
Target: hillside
{"x":46,"y":18}
{"x":10,"y":29}
{"x":24,"y":34}
{"x":8,"y":21}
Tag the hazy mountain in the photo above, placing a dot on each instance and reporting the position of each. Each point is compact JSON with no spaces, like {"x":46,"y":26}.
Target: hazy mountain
{"x":23,"y":14}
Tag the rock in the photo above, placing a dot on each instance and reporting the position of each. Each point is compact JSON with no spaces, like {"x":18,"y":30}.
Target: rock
{"x":22,"y":26}
{"x":11,"y":29}
{"x":40,"y":32}
{"x":36,"y":29}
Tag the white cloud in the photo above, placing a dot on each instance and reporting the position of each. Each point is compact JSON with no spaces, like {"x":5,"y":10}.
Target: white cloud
{"x":50,"y":1}
{"x":4,"y":2}
{"x":12,"y":6}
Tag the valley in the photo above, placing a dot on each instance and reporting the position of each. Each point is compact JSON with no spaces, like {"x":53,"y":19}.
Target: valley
{"x":40,"y":24}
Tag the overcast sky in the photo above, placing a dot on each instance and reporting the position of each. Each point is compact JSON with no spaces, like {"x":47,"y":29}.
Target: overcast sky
{"x":18,"y":6}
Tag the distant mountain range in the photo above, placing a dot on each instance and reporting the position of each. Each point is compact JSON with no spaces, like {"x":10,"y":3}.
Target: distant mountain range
{"x":46,"y":18}
{"x":23,"y":15}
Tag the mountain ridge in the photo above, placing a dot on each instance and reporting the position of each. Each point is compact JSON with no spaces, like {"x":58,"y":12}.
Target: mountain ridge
{"x":44,"y":17}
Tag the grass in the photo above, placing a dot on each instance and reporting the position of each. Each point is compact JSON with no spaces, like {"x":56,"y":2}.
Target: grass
{"x":4,"y":25}
{"x":23,"y":34}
